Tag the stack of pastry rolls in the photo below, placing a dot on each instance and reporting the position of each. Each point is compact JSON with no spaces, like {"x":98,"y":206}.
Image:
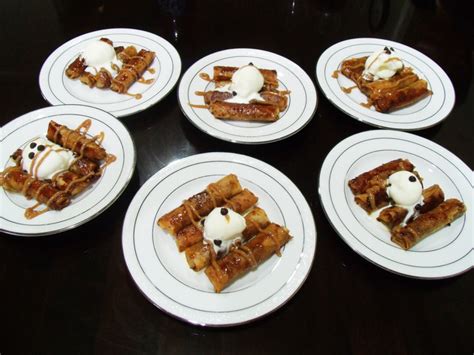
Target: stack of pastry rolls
{"x":260,"y":238}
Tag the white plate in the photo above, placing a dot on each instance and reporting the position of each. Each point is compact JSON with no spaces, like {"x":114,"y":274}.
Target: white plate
{"x":423,"y":114}
{"x":88,"y":204}
{"x":443,"y":254}
{"x":301,"y":105}
{"x":57,"y":89}
{"x":162,"y":273}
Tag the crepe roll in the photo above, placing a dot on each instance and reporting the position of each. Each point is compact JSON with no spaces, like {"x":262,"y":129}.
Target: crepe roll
{"x":392,"y":216}
{"x":374,"y":198}
{"x":241,"y":260}
{"x":199,"y":205}
{"x":378,"y":175}
{"x":258,"y":112}
{"x":75,"y":141}
{"x":132,"y":70}
{"x":428,"y":223}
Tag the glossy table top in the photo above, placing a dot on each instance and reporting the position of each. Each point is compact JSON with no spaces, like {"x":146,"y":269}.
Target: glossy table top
{"x":72,"y":293}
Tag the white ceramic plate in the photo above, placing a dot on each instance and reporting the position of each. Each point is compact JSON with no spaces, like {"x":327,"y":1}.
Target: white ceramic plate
{"x":423,"y":114}
{"x":89,"y":203}
{"x":57,"y":88}
{"x":162,"y":273}
{"x":301,"y":106}
{"x":446,"y":253}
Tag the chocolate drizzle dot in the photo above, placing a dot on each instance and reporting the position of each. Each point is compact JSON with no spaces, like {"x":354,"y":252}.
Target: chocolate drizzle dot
{"x":251,"y":63}
{"x":412,"y":179}
{"x":32,"y":145}
{"x":218,"y":242}
{"x":387,"y":50}
{"x":202,"y":221}
{"x":31,"y":155}
{"x":224,"y":211}
{"x":41,"y":147}
{"x":234,"y":93}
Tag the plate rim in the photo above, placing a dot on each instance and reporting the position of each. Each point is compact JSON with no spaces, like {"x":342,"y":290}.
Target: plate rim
{"x":360,"y":252}
{"x":127,"y":177}
{"x":119,"y":30}
{"x":247,"y":142}
{"x":361,"y":117}
{"x":195,"y":320}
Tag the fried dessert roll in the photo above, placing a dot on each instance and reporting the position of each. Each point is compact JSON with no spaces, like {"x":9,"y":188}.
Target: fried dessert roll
{"x":392,"y":216}
{"x":192,"y":234}
{"x":241,"y":260}
{"x":428,"y":223}
{"x":76,"y":69}
{"x":378,"y":175}
{"x":432,"y":197}
{"x":126,"y":54}
{"x":84,"y":166}
{"x":224,"y":74}
{"x":75,"y":141}
{"x":374,"y":198}
{"x":199,"y":255}
{"x":258,"y":112}
{"x":73,"y":183}
{"x":269,"y":97}
{"x":199,"y":205}
{"x":353,"y":68}
{"x":16,"y":180}
{"x":132,"y":70}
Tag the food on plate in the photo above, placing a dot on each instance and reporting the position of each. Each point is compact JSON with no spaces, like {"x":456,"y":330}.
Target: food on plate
{"x":220,"y":227}
{"x":385,"y":80}
{"x":241,"y":260}
{"x":54,"y":168}
{"x":244,"y":94}
{"x":104,"y":66}
{"x":414,"y":212}
{"x":428,"y":223}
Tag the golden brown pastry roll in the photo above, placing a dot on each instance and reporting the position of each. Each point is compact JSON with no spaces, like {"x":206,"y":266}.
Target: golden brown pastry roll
{"x":241,"y":260}
{"x":132,"y":70}
{"x":378,"y":175}
{"x":432,"y":197}
{"x":75,"y":141}
{"x":258,"y":112}
{"x":192,"y":234}
{"x":199,"y":205}
{"x":392,"y":216}
{"x":14,"y":179}
{"x":374,"y":198}
{"x":428,"y":223}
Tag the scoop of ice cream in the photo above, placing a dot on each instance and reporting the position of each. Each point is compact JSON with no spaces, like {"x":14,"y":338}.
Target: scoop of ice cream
{"x":43,"y":159}
{"x":247,"y":81}
{"x":99,"y":54}
{"x":222,"y":226}
{"x":404,"y":188}
{"x":382,"y":64}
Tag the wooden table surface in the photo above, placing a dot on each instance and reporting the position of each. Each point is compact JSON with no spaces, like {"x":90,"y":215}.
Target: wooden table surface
{"x":71,"y":293}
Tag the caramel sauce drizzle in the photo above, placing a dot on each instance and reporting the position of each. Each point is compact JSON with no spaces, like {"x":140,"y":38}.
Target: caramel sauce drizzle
{"x":206,"y":77}
{"x":146,"y":81}
{"x":151,"y":70}
{"x":349,"y":89}
{"x":136,"y":96}
{"x":335,"y":74}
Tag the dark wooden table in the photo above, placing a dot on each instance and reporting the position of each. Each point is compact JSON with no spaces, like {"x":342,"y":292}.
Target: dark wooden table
{"x":72,"y":294}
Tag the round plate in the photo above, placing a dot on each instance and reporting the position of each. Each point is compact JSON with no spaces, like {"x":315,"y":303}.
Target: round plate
{"x":89,"y":203}
{"x":423,"y":114}
{"x":446,"y":253}
{"x":301,"y":106}
{"x":57,"y":88}
{"x":162,"y":273}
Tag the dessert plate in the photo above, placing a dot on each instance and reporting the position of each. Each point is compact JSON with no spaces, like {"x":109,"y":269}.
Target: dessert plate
{"x":301,"y":105}
{"x":57,"y":88}
{"x":91,"y":202}
{"x":423,"y":114}
{"x":162,"y":273}
{"x":446,"y":253}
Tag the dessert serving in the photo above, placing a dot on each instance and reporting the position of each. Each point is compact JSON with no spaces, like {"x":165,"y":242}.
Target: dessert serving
{"x":244,"y":94}
{"x":55,"y":168}
{"x":410,"y":211}
{"x":222,"y":232}
{"x":386,"y":81}
{"x":104,"y":66}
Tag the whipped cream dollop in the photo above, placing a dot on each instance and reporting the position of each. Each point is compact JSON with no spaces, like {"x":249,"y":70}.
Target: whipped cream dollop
{"x":404,"y":188}
{"x":246,"y":84}
{"x":43,"y":159}
{"x":382,"y":64}
{"x":100,"y":54}
{"x":222,"y":227}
